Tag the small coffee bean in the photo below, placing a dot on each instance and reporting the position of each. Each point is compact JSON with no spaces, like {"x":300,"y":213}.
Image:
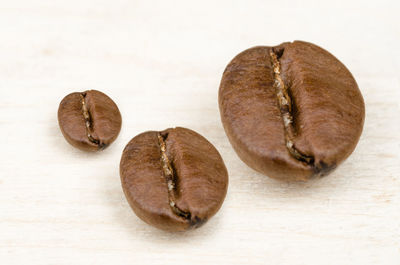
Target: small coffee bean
{"x":292,"y":111}
{"x":89,"y":120}
{"x":174,"y":180}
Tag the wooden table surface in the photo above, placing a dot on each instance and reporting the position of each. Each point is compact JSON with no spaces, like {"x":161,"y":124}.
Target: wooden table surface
{"x":161,"y":62}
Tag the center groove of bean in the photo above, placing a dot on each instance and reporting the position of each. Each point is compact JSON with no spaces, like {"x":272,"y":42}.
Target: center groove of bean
{"x":88,"y":120}
{"x":285,"y":106}
{"x":170,"y":177}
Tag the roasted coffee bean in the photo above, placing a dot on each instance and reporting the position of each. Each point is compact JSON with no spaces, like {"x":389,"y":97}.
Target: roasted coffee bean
{"x":89,"y":120}
{"x":174,"y":180}
{"x":292,"y":111}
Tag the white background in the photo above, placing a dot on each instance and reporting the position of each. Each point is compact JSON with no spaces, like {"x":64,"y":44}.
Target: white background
{"x":161,"y":62}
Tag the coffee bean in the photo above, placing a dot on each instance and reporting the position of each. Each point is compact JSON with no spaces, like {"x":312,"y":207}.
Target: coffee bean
{"x":174,"y":180}
{"x":292,"y":111}
{"x":89,"y":120}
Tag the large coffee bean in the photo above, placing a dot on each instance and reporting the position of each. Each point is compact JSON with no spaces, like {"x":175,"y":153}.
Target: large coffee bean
{"x":292,"y":111}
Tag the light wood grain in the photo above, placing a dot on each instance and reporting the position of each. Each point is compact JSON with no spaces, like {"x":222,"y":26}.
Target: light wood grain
{"x":161,"y":62}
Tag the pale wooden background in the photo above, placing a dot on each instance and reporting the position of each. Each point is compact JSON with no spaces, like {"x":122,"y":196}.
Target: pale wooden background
{"x":162,"y":62}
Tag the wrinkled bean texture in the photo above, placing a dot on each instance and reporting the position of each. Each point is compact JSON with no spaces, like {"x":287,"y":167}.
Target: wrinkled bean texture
{"x":174,"y":180}
{"x":292,"y":112}
{"x":89,"y":120}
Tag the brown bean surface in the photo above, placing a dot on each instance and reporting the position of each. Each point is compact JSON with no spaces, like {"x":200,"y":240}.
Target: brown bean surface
{"x":89,"y":120}
{"x":292,"y":111}
{"x":174,"y":180}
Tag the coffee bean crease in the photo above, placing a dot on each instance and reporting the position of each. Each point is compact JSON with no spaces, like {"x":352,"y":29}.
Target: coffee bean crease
{"x":88,"y":121}
{"x":285,"y":106}
{"x":170,"y":177}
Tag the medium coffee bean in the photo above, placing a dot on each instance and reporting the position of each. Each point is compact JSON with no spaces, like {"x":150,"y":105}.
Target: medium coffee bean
{"x":174,"y":180}
{"x":292,"y":111}
{"x":89,"y":120}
